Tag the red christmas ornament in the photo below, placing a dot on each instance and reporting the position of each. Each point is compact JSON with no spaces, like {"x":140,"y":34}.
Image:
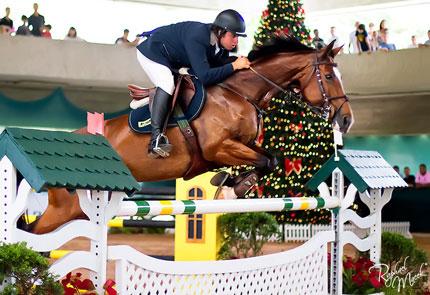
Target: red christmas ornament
{"x":265,"y":13}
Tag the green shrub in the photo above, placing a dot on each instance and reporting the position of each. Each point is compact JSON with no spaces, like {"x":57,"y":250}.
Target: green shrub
{"x":244,"y":234}
{"x":26,"y":267}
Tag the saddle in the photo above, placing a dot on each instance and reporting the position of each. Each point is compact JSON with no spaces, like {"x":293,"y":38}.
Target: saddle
{"x":185,"y":97}
{"x":143,"y":96}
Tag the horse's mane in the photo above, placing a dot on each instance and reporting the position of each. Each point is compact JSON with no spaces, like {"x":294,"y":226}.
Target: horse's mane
{"x":278,"y":44}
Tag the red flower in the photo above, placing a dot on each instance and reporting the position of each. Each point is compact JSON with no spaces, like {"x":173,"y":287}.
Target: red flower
{"x":359,"y":279}
{"x":376,"y":283}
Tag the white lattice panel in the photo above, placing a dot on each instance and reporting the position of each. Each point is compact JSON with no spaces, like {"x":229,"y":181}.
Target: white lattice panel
{"x":299,"y":271}
{"x":307,"y":276}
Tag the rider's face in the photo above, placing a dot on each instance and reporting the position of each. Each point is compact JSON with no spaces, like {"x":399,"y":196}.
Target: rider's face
{"x":229,"y":40}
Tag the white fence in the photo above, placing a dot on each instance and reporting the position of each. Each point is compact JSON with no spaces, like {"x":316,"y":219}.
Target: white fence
{"x":304,"y":232}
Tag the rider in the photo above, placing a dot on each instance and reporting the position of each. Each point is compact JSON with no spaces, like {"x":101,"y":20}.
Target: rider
{"x":204,"y":48}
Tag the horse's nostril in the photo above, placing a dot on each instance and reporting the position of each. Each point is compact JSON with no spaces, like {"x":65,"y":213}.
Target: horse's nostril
{"x":346,"y":120}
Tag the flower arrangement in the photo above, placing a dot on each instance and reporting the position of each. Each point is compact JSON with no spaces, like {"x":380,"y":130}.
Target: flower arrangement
{"x":361,"y":277}
{"x":75,"y":284}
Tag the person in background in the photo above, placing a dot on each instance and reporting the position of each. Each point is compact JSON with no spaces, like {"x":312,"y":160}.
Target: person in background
{"x":409,"y":178}
{"x":6,"y":24}
{"x":397,"y":169}
{"x":374,"y":41}
{"x":362,"y":39}
{"x":383,"y":42}
{"x":382,"y":26}
{"x":72,"y":35}
{"x":46,"y":32}
{"x":372,"y":36}
{"x":414,"y":43}
{"x":23,"y":29}
{"x":317,"y":42}
{"x":352,"y":45}
{"x":422,"y":178}
{"x":36,"y":22}
{"x":333,"y":36}
{"x":124,"y":38}
{"x":427,"y":43}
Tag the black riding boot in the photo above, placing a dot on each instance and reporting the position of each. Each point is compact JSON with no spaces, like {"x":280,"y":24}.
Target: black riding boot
{"x":159,"y":144}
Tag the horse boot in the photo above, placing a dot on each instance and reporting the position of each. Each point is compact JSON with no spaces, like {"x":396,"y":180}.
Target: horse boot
{"x":245,"y":182}
{"x":159,"y":145}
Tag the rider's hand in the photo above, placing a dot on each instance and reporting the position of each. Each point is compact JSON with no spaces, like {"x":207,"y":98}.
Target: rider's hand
{"x":241,"y":63}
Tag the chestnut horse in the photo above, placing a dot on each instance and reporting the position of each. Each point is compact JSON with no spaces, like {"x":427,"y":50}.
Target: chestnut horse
{"x":228,"y":124}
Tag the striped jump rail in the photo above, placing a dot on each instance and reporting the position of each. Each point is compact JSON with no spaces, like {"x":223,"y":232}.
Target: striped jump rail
{"x":154,"y":208}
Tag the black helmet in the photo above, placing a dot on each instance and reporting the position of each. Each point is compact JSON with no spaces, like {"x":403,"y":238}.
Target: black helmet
{"x":232,"y":21}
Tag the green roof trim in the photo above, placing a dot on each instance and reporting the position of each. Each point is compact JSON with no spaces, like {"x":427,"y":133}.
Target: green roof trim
{"x":365,"y":169}
{"x":63,"y":159}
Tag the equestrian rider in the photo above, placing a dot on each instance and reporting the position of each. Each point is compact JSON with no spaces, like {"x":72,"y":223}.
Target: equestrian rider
{"x":203,"y":48}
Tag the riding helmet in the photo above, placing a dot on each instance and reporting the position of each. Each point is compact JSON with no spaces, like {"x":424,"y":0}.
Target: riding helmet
{"x":231,"y":21}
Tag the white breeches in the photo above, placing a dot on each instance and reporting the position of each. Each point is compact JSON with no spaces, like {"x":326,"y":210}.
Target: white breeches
{"x":160,"y":75}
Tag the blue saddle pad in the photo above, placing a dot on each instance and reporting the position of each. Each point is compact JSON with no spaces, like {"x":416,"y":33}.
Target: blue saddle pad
{"x":139,"y":119}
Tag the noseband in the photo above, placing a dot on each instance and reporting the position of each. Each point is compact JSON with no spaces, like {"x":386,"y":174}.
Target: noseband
{"x":325,"y":109}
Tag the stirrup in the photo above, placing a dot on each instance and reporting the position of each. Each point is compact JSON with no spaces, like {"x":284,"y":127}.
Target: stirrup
{"x":162,"y":149}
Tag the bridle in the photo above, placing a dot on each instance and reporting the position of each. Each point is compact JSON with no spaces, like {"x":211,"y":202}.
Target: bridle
{"x":324,"y":109}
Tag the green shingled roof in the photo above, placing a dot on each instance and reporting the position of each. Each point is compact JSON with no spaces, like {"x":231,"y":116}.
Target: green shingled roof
{"x":365,"y":169}
{"x":62,"y":159}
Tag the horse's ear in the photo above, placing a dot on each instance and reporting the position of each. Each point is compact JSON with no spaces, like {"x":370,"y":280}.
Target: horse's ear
{"x":335,"y":51}
{"x":327,"y":50}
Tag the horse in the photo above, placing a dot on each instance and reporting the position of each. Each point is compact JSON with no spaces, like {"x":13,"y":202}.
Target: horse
{"x":228,"y":124}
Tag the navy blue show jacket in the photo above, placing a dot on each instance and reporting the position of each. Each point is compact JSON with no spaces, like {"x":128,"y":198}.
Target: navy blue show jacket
{"x":187,"y":44}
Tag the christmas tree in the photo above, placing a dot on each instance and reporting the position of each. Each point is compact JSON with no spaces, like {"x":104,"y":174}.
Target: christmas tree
{"x":301,"y":140}
{"x":282,"y":17}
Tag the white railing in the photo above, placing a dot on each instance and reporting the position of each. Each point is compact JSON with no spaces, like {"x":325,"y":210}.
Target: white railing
{"x":304,"y":232}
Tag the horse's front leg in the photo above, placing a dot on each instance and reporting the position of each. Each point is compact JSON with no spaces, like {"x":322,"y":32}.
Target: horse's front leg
{"x":235,"y":153}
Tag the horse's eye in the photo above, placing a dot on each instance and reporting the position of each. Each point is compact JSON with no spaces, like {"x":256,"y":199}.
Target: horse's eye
{"x":328,"y":76}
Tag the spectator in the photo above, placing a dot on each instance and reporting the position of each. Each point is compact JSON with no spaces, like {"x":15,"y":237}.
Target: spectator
{"x":409,"y":179}
{"x":23,"y":30}
{"x":333,"y":36}
{"x":123,"y":39}
{"x":46,"y":32}
{"x":373,"y":40}
{"x":353,"y":39}
{"x":423,"y":177}
{"x":6,"y":24}
{"x":363,"y":44}
{"x":373,"y":36}
{"x":72,"y":35}
{"x":427,"y":43}
{"x":36,"y":22}
{"x":383,"y":42}
{"x":317,"y":42}
{"x":414,"y":43}
{"x":382,"y":26}
{"x":397,"y":169}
